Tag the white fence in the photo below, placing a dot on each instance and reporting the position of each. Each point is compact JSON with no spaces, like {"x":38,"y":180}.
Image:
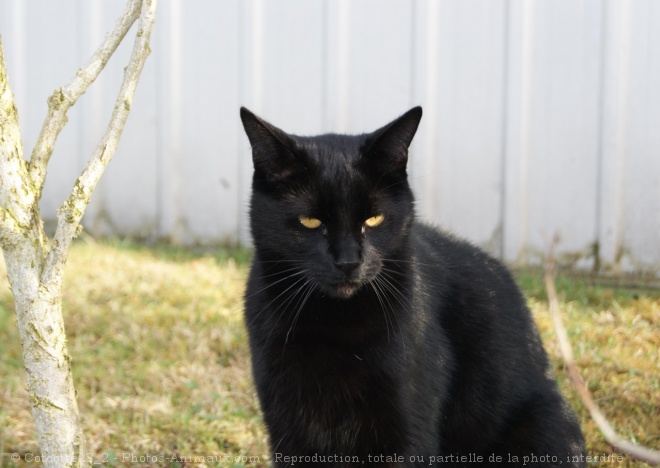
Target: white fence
{"x":540,"y":117}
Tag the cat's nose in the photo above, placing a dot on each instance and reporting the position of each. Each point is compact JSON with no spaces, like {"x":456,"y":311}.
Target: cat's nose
{"x":348,"y":255}
{"x":347,"y":266}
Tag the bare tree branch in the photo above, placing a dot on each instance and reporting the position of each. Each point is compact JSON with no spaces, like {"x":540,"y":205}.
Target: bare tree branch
{"x":35,"y":268}
{"x":63,"y":98}
{"x":71,"y":212}
{"x":618,"y":443}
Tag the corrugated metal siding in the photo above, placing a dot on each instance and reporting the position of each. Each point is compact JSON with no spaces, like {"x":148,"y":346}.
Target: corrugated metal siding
{"x":540,"y":116}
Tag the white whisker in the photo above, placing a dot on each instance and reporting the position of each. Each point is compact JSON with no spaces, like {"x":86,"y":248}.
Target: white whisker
{"x":311,"y":286}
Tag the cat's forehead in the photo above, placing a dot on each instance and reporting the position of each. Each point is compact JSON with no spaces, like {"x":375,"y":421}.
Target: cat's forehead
{"x":334,"y":181}
{"x":334,"y":157}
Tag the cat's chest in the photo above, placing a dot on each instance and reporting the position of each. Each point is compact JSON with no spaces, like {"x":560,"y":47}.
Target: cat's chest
{"x":328,"y":361}
{"x":348,"y":373}
{"x":338,"y":392}
{"x":348,"y":349}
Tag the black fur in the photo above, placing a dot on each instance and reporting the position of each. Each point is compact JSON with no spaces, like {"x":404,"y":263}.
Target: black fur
{"x":394,"y":341}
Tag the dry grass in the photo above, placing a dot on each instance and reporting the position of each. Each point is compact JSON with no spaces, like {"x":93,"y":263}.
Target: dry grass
{"x":161,"y":365}
{"x":614,"y":334}
{"x":159,"y":356}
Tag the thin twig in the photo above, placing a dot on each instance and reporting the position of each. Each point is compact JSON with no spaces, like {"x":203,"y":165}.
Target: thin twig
{"x":63,"y":98}
{"x":618,"y":443}
{"x":71,"y":211}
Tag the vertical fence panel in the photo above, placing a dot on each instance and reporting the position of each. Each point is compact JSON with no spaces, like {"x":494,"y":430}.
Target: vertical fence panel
{"x":126,"y":198}
{"x":630,"y":202}
{"x":553,"y":130}
{"x":461,"y":81}
{"x":642,"y":214}
{"x":198,"y":109}
{"x":209,"y":121}
{"x":292,"y":57}
{"x":376,"y":59}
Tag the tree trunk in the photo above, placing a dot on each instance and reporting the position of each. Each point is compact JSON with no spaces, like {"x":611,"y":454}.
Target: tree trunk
{"x":38,"y":305}
{"x":35,"y":265}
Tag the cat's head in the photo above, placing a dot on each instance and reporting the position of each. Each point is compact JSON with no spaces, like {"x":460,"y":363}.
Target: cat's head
{"x":332,"y":207}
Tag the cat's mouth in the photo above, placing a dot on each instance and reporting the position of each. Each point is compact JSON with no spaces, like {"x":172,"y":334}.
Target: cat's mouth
{"x":344,"y":289}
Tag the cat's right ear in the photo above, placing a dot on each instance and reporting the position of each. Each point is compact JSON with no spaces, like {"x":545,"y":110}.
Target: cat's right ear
{"x":387,"y":147}
{"x":272,"y":149}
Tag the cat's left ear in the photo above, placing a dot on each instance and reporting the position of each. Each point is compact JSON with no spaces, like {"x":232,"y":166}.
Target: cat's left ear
{"x":387,"y":147}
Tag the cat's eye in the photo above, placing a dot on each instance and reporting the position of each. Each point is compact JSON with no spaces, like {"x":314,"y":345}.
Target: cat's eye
{"x":309,"y":223}
{"x":374,"y":220}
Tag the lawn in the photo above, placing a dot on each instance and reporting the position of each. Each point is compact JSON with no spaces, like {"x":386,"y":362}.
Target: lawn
{"x":161,"y":364}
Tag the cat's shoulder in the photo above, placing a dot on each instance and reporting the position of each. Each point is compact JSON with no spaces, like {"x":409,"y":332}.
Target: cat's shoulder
{"x":432,"y":238}
{"x":436,"y":246}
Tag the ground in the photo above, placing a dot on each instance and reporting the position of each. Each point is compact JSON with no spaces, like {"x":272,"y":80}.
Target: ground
{"x":161,"y":365}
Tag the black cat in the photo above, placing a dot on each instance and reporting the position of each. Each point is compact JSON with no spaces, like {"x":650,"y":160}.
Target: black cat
{"x":377,"y":340}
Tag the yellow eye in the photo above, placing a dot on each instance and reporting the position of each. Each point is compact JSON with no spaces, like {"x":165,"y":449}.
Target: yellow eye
{"x":374,"y":220}
{"x":309,"y":223}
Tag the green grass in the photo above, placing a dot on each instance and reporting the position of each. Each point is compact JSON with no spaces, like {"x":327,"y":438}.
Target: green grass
{"x":160,"y":357}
